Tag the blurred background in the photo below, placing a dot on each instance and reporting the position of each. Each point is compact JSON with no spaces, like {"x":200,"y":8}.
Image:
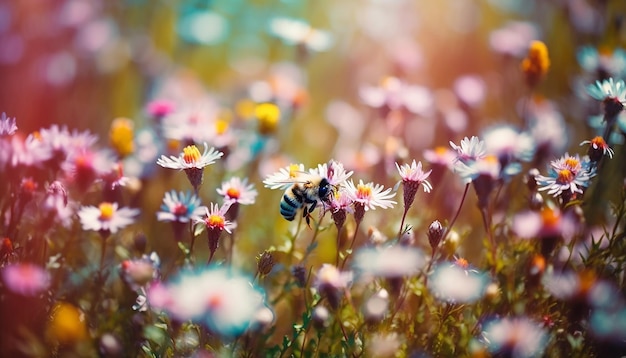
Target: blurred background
{"x":83,"y":63}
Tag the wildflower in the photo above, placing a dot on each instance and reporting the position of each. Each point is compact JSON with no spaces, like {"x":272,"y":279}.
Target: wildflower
{"x":602,"y":62}
{"x":121,"y":136}
{"x":67,"y":324}
{"x":567,"y":177}
{"x":138,"y":273}
{"x":25,"y":279}
{"x":598,"y":148}
{"x":340,"y":205}
{"x":192,"y":162}
{"x":388,"y":261}
{"x":179,"y":208}
{"x":238,"y":191}
{"x":7,"y":125}
{"x":333,"y":171}
{"x":509,"y":146}
{"x":85,"y":166}
{"x":457,"y":283}
{"x":384,"y":345}
{"x":515,"y":337}
{"x":412,"y":178}
{"x":535,"y":66}
{"x":222,"y":300}
{"x":320,"y":317}
{"x":470,"y":149}
{"x":215,"y":222}
{"x":106,"y":218}
{"x":283,"y":179}
{"x":369,"y":196}
{"x":190,"y":122}
{"x":612,"y":94}
{"x":393,"y":94}
{"x":512,"y":39}
{"x":268,"y":116}
{"x":470,"y":89}
{"x":331,"y":283}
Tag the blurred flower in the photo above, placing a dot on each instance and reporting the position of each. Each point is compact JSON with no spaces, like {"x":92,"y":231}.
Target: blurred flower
{"x":435,"y":234}
{"x":515,"y":337}
{"x":602,"y":63}
{"x":192,"y":162}
{"x":611,"y":93}
{"x":376,"y":307}
{"x":393,"y":94}
{"x":67,"y":324}
{"x":25,"y":279}
{"x":598,"y":148}
{"x":191,"y":119}
{"x":548,"y":223}
{"x":223,"y":300}
{"x":389,"y":261}
{"x":160,"y":108}
{"x":547,"y":127}
{"x":441,"y":156}
{"x":85,"y":166}
{"x":268,"y":117}
{"x":470,"y":89}
{"x":121,"y":136}
{"x":509,"y":146}
{"x":298,"y":32}
{"x":469,"y":150}
{"x":283,"y":179}
{"x":138,"y":273}
{"x":331,"y":283}
{"x":107,"y":217}
{"x":536,"y":64}
{"x":384,"y":345}
{"x":238,"y":191}
{"x":7,"y":125}
{"x":456,"y":283}
{"x":513,"y":38}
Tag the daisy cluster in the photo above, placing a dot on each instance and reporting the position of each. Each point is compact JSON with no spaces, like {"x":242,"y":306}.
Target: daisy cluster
{"x":279,"y":189}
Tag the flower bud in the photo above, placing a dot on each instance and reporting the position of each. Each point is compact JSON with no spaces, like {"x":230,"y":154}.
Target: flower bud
{"x":299,"y":273}
{"x":435,"y":234}
{"x":320,"y":317}
{"x":265,"y":263}
{"x":451,"y":243}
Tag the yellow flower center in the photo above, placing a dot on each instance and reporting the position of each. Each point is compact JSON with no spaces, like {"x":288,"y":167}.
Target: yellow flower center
{"x":37,"y":135}
{"x":215,"y":221}
{"x":572,"y":163}
{"x":293,"y":170}
{"x":233,"y":193}
{"x":441,"y":150}
{"x":268,"y":115}
{"x":191,"y":154}
{"x":106,"y":211}
{"x":121,"y":136}
{"x":491,"y":159}
{"x":363,"y":191}
{"x":565,"y":176}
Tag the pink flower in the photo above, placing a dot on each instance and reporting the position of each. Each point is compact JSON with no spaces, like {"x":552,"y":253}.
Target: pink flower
{"x":25,"y":279}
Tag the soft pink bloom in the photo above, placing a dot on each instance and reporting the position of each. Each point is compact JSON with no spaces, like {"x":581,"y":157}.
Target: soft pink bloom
{"x":25,"y":279}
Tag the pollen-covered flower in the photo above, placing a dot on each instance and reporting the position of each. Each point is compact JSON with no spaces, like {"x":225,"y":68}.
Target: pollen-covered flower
{"x":598,"y":148}
{"x":568,"y":175}
{"x":370,"y":195}
{"x":215,"y":222}
{"x":238,"y":191}
{"x":7,"y":125}
{"x":515,"y":337}
{"x":536,"y":64}
{"x":25,"y":279}
{"x":107,"y":217}
{"x":192,"y":162}
{"x":284,"y":177}
{"x":217,"y":297}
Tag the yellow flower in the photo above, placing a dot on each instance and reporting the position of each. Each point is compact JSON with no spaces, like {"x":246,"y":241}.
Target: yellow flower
{"x":121,"y":136}
{"x":268,"y":115}
{"x":536,"y":64}
{"x":67,"y":324}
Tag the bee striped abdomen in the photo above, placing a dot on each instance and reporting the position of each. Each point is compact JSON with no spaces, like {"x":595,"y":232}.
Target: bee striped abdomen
{"x":290,"y":205}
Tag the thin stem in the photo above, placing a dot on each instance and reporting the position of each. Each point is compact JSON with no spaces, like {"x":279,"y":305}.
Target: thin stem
{"x":348,"y":253}
{"x":406,"y":210}
{"x":193,"y":238}
{"x":338,"y":245}
{"x":231,"y":249}
{"x":315,"y":233}
{"x":492,"y":242}
{"x":458,"y":211}
{"x":103,"y":247}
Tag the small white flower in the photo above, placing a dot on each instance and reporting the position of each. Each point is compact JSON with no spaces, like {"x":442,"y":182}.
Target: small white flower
{"x":284,"y":177}
{"x":370,"y":195}
{"x":106,"y":217}
{"x":191,"y":158}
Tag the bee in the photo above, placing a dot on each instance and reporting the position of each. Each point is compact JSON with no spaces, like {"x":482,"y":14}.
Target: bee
{"x":305,"y":192}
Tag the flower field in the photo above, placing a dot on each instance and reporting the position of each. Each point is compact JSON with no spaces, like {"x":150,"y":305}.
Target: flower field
{"x":283,"y":178}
